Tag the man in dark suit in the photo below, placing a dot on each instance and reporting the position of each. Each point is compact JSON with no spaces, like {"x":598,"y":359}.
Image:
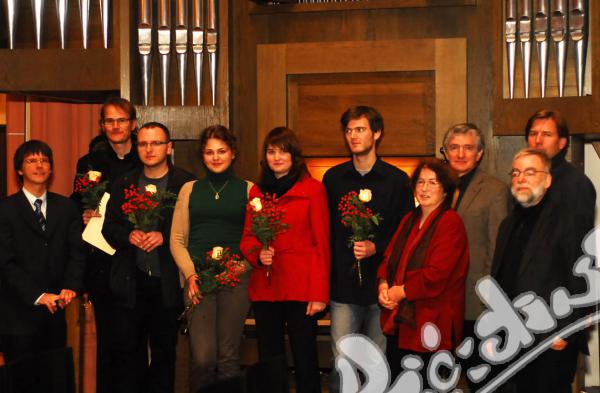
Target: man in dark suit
{"x":112,"y":153}
{"x":482,"y":202}
{"x":536,"y":249}
{"x":41,"y":258}
{"x":144,"y":279}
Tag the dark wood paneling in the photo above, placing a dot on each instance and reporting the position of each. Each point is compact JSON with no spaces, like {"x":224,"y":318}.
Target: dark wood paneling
{"x":405,"y":100}
{"x":359,"y":5}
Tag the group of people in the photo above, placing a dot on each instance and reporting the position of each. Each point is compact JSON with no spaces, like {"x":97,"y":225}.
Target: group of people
{"x":419,"y":265}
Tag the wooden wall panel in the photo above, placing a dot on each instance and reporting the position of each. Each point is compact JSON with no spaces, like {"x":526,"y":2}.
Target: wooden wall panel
{"x":406,"y":101}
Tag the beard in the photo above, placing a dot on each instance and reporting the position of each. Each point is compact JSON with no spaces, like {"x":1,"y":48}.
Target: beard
{"x":528,"y":198}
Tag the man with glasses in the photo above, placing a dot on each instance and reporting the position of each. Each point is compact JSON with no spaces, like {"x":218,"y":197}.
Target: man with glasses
{"x":41,"y":258}
{"x":144,"y":280}
{"x":353,"y":300}
{"x":536,"y":249}
{"x":112,"y":153}
{"x":482,"y":202}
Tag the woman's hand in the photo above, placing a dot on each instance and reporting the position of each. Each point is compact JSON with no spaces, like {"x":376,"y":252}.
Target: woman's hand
{"x":396,"y":293}
{"x":266,"y":256}
{"x":193,"y":290}
{"x":384,"y":298}
{"x":314,"y":307}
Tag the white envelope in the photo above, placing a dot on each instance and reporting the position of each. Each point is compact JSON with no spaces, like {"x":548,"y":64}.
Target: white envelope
{"x":92,"y":233}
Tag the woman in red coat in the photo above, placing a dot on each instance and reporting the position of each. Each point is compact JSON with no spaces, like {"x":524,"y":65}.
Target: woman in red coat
{"x":422,"y":277}
{"x":298,"y":259}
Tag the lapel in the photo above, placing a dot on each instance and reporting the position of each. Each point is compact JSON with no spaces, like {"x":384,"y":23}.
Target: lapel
{"x":472,"y":191}
{"x":52,"y":214}
{"x":26,"y":211}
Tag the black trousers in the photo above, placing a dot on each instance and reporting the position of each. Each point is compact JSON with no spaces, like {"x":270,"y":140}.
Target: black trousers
{"x":51,"y":334}
{"x":143,"y":341}
{"x":271,"y":320}
{"x":394,"y":356}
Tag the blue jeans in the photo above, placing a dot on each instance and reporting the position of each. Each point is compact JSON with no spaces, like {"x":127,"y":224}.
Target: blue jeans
{"x":352,"y":318}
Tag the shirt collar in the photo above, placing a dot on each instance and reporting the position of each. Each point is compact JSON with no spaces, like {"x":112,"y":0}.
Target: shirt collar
{"x":31,"y":198}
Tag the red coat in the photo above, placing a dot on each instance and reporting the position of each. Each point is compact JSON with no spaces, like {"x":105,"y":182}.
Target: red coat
{"x":300,"y":269}
{"x":438,"y":286}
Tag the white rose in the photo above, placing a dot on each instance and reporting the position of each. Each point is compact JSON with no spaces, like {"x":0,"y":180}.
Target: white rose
{"x":151,"y":188}
{"x":217,"y":253}
{"x":256,"y":204}
{"x":365,"y":195}
{"x":94,"y":175}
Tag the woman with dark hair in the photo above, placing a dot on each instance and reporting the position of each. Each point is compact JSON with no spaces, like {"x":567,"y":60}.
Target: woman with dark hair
{"x":210,"y":213}
{"x":298,"y":286}
{"x":422,"y":276}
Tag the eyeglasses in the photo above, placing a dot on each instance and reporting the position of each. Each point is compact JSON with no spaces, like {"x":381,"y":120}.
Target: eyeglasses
{"x":32,"y":161}
{"x":120,"y":121}
{"x":143,"y":145}
{"x":529,"y":172}
{"x":456,"y":148}
{"x":358,"y":130}
{"x":430,"y":182}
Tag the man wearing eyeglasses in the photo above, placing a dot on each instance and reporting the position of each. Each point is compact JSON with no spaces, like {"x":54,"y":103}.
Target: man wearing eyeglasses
{"x":144,"y":279}
{"x":41,"y":258}
{"x":353,"y":299}
{"x":537,"y":246}
{"x":482,"y":202}
{"x":112,"y":153}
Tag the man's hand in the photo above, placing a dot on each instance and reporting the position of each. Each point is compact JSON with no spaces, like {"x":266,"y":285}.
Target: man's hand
{"x":136,"y":237}
{"x":266,"y":256}
{"x":66,"y":296}
{"x":88,"y":214}
{"x":364,"y":249}
{"x":314,"y":307}
{"x":50,"y":301}
{"x":558,"y":344}
{"x":151,"y":241}
{"x":193,"y":291}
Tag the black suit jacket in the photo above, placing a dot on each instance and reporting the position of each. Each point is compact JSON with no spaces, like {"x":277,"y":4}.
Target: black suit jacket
{"x":547,"y":263}
{"x":33,"y":261}
{"x":116,"y":230}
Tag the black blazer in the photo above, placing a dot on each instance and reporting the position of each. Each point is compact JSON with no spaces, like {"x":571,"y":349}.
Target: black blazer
{"x":33,"y":261}
{"x":549,"y":257}
{"x":116,"y":230}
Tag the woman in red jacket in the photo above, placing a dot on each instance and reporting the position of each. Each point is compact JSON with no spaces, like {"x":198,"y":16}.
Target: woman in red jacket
{"x":422,"y":277}
{"x":298,"y":259}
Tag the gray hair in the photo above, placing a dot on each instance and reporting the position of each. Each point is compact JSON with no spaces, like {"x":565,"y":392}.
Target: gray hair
{"x":463,"y":129}
{"x":533,"y":152}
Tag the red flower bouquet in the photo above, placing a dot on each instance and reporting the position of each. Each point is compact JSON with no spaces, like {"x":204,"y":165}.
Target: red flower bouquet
{"x":359,"y":219}
{"x":90,"y":187}
{"x":143,"y":209}
{"x":220,"y":269}
{"x":267,"y":221}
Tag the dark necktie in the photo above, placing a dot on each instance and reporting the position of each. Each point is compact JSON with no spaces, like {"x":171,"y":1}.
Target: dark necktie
{"x":39,"y":215}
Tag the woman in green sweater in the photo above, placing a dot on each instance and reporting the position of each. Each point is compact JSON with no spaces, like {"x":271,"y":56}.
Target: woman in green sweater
{"x":209,"y":213}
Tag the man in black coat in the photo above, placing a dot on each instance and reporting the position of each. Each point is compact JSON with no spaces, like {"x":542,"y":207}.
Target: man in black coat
{"x":144,"y":279}
{"x":547,"y":131}
{"x":537,"y":247}
{"x":41,"y":258}
{"x":112,"y":153}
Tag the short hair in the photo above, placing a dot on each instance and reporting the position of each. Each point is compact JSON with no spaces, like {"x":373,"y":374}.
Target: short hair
{"x":155,"y":124}
{"x":546,"y":162}
{"x":444,"y":173}
{"x":28,"y":148}
{"x":464,"y":129}
{"x":285,"y":139}
{"x":120,"y":103}
{"x":221,"y":133}
{"x":554,"y":115}
{"x":371,"y":114}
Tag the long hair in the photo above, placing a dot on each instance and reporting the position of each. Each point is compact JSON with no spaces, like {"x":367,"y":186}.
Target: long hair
{"x":285,"y":139}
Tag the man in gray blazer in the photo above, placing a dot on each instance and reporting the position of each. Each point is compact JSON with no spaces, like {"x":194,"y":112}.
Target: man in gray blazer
{"x":482,"y":202}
